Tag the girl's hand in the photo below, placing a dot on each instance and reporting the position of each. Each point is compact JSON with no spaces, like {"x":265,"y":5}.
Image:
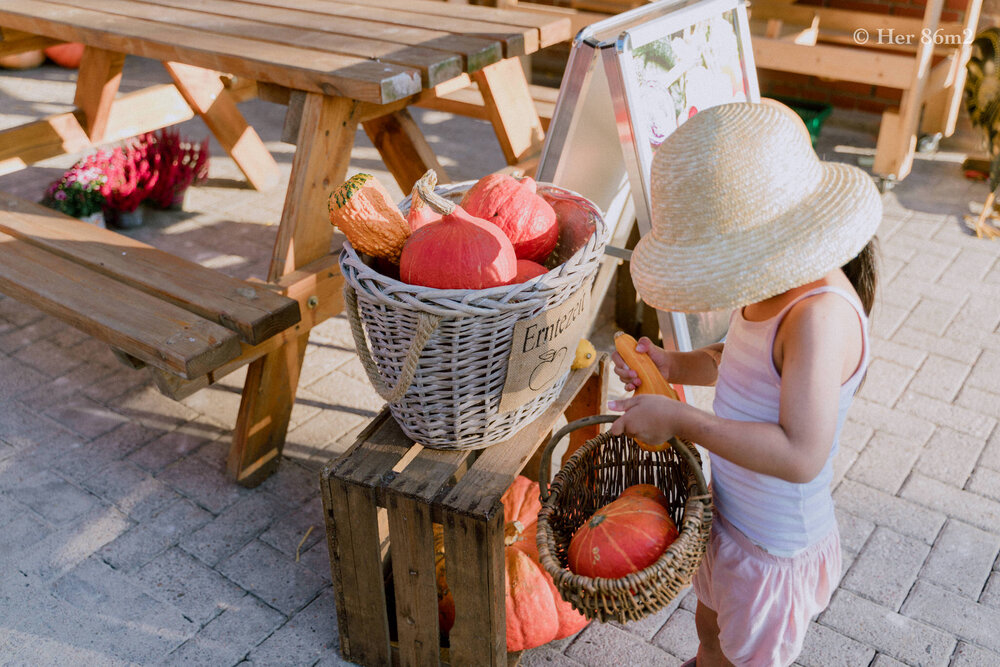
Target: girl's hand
{"x":651,"y":418}
{"x":659,"y":356}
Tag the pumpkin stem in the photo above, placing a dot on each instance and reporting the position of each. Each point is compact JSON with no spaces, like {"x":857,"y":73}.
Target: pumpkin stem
{"x":425,"y":188}
{"x":512,"y":533}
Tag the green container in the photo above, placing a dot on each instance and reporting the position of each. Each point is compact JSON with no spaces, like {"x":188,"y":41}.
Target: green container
{"x":812,"y":113}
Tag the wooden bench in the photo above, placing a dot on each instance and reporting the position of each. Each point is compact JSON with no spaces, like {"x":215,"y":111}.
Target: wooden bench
{"x":152,"y":307}
{"x":380,"y":499}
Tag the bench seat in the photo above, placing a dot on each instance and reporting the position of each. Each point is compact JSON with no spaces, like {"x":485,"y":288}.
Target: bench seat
{"x":170,"y":313}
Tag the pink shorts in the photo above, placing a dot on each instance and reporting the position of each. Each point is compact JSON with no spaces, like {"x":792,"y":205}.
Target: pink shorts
{"x":764,"y":602}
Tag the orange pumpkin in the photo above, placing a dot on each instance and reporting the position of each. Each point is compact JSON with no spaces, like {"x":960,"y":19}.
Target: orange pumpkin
{"x":647,"y":491}
{"x":66,"y":55}
{"x":515,"y":207}
{"x":526,"y":270}
{"x":536,"y":613}
{"x":626,"y":535}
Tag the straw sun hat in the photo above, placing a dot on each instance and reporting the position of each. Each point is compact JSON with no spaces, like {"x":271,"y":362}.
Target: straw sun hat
{"x":743,"y":209}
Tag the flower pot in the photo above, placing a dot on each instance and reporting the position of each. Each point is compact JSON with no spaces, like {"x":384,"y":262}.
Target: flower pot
{"x":125,"y":219}
{"x":96,"y":219}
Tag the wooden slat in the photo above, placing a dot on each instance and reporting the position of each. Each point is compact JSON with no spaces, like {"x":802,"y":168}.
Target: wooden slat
{"x":16,"y":41}
{"x":550,"y":29}
{"x":436,"y":66}
{"x":319,"y":15}
{"x":145,"y":327}
{"x":474,"y":559}
{"x":255,"y":313}
{"x":846,"y":20}
{"x":469,"y":102}
{"x":132,"y":114}
{"x":835,"y":62}
{"x":411,"y":543}
{"x":304,"y":69}
{"x":96,"y":86}
{"x":511,"y":110}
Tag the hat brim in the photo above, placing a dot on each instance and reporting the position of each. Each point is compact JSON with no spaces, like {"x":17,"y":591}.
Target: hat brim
{"x":821,"y":233}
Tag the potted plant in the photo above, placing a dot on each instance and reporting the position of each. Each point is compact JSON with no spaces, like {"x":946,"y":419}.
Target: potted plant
{"x":80,"y":192}
{"x":132,"y":172}
{"x":181,"y":163}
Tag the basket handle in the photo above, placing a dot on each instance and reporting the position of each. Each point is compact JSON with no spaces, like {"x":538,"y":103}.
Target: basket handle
{"x":426,"y":324}
{"x":545,"y":465}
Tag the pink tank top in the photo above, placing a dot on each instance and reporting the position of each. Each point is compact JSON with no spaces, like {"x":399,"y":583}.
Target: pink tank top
{"x":782,"y":517}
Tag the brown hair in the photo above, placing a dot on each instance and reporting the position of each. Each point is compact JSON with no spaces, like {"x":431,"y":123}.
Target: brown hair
{"x":862,"y":271}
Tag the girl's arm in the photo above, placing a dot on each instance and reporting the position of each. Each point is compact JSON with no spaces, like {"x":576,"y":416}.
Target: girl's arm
{"x":698,"y":367}
{"x":813,"y":350}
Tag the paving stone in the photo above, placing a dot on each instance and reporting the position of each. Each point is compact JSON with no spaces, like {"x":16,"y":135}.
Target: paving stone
{"x":887,"y":420}
{"x":825,"y":647}
{"x":986,"y":371}
{"x":942,"y":345}
{"x":975,"y":623}
{"x":967,"y":655}
{"x":197,"y":590}
{"x":217,"y":403}
{"x":131,"y":489}
{"x":854,"y":530}
{"x":312,"y":443}
{"x":227,"y":638}
{"x":886,"y":567}
{"x":885,"y":462}
{"x":898,"y":636}
{"x":842,"y":463}
{"x":121,"y":382}
{"x":322,"y":359}
{"x":961,"y":419}
{"x":154,"y":535}
{"x":20,"y":533}
{"x":897,"y":514}
{"x":963,"y":505}
{"x":896,"y":353}
{"x":232,"y":529}
{"x":885,"y":382}
{"x":940,"y":377}
{"x":950,"y":456}
{"x":64,"y":548}
{"x":961,"y":559}
{"x":985,"y":482}
{"x":35,"y":328}
{"x":49,"y":359}
{"x":678,"y":635}
{"x":65,"y":386}
{"x":882,"y":660}
{"x":53,"y":497}
{"x":272,"y":576}
{"x":204,"y":484}
{"x":86,"y":416}
{"x":22,"y":427}
{"x":991,"y":453}
{"x":348,"y":394}
{"x":648,"y":626}
{"x":888,"y":318}
{"x":932,"y":316}
{"x":292,"y":484}
{"x":599,"y":640}
{"x":94,"y":588}
{"x":307,"y":636}
{"x":304,"y":525}
{"x":543,"y":656}
{"x":86,"y":459}
{"x":154,"y":410}
{"x":317,"y":559}
{"x":991,"y":592}
{"x":979,"y":401}
{"x":18,"y":379}
{"x":170,"y":447}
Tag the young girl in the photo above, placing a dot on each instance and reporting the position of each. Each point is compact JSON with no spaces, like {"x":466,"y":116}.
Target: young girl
{"x":746,"y":215}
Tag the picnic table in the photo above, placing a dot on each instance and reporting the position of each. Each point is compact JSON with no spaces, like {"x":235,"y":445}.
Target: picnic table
{"x":338,"y":65}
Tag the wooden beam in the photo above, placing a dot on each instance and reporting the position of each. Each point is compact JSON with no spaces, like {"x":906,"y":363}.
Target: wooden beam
{"x":96,"y":87}
{"x":205,"y":93}
{"x":835,"y":62}
{"x":848,"y":21}
{"x":511,"y":109}
{"x":403,"y":148}
{"x":15,"y":41}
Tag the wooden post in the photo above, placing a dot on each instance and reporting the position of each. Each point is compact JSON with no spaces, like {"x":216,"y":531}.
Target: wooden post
{"x":204,"y":91}
{"x":591,"y":400}
{"x":96,"y":87}
{"x":403,"y":148}
{"x":326,"y":136}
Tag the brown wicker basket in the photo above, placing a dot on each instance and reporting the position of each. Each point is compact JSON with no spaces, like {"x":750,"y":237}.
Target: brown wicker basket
{"x":595,"y":475}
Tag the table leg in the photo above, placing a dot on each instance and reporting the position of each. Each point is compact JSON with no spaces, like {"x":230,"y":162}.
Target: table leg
{"x":205,"y":92}
{"x":322,"y":155}
{"x":510,"y":109}
{"x":591,"y":400}
{"x":403,"y":148}
{"x":96,"y":86}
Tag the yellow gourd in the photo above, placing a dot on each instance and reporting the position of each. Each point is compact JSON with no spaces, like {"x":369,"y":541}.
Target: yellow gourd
{"x":651,"y":380}
{"x":363,"y":209}
{"x":585,"y":354}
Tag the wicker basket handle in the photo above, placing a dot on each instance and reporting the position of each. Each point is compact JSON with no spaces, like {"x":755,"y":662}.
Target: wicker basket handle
{"x":545,"y":465}
{"x":426,"y":324}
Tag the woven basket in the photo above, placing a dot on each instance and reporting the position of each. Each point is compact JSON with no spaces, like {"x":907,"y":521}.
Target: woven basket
{"x":439,"y":357}
{"x":596,"y":474}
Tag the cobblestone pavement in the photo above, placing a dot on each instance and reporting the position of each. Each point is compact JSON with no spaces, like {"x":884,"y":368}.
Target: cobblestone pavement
{"x":123,"y":542}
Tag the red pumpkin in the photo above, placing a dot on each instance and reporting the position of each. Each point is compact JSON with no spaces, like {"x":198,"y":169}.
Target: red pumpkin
{"x":527,"y":219}
{"x":459,"y":251}
{"x":526,"y":270}
{"x":66,"y":55}
{"x":650,"y":491}
{"x":627,"y":535}
{"x":536,"y":613}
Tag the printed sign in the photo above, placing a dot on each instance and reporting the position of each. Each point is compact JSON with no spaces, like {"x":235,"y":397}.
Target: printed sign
{"x":543,"y":348}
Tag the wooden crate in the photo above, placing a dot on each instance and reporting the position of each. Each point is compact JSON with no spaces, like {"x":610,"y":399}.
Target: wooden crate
{"x":380,"y":500}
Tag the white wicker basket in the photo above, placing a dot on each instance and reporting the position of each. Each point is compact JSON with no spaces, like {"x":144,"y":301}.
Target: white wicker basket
{"x":439,"y":357}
